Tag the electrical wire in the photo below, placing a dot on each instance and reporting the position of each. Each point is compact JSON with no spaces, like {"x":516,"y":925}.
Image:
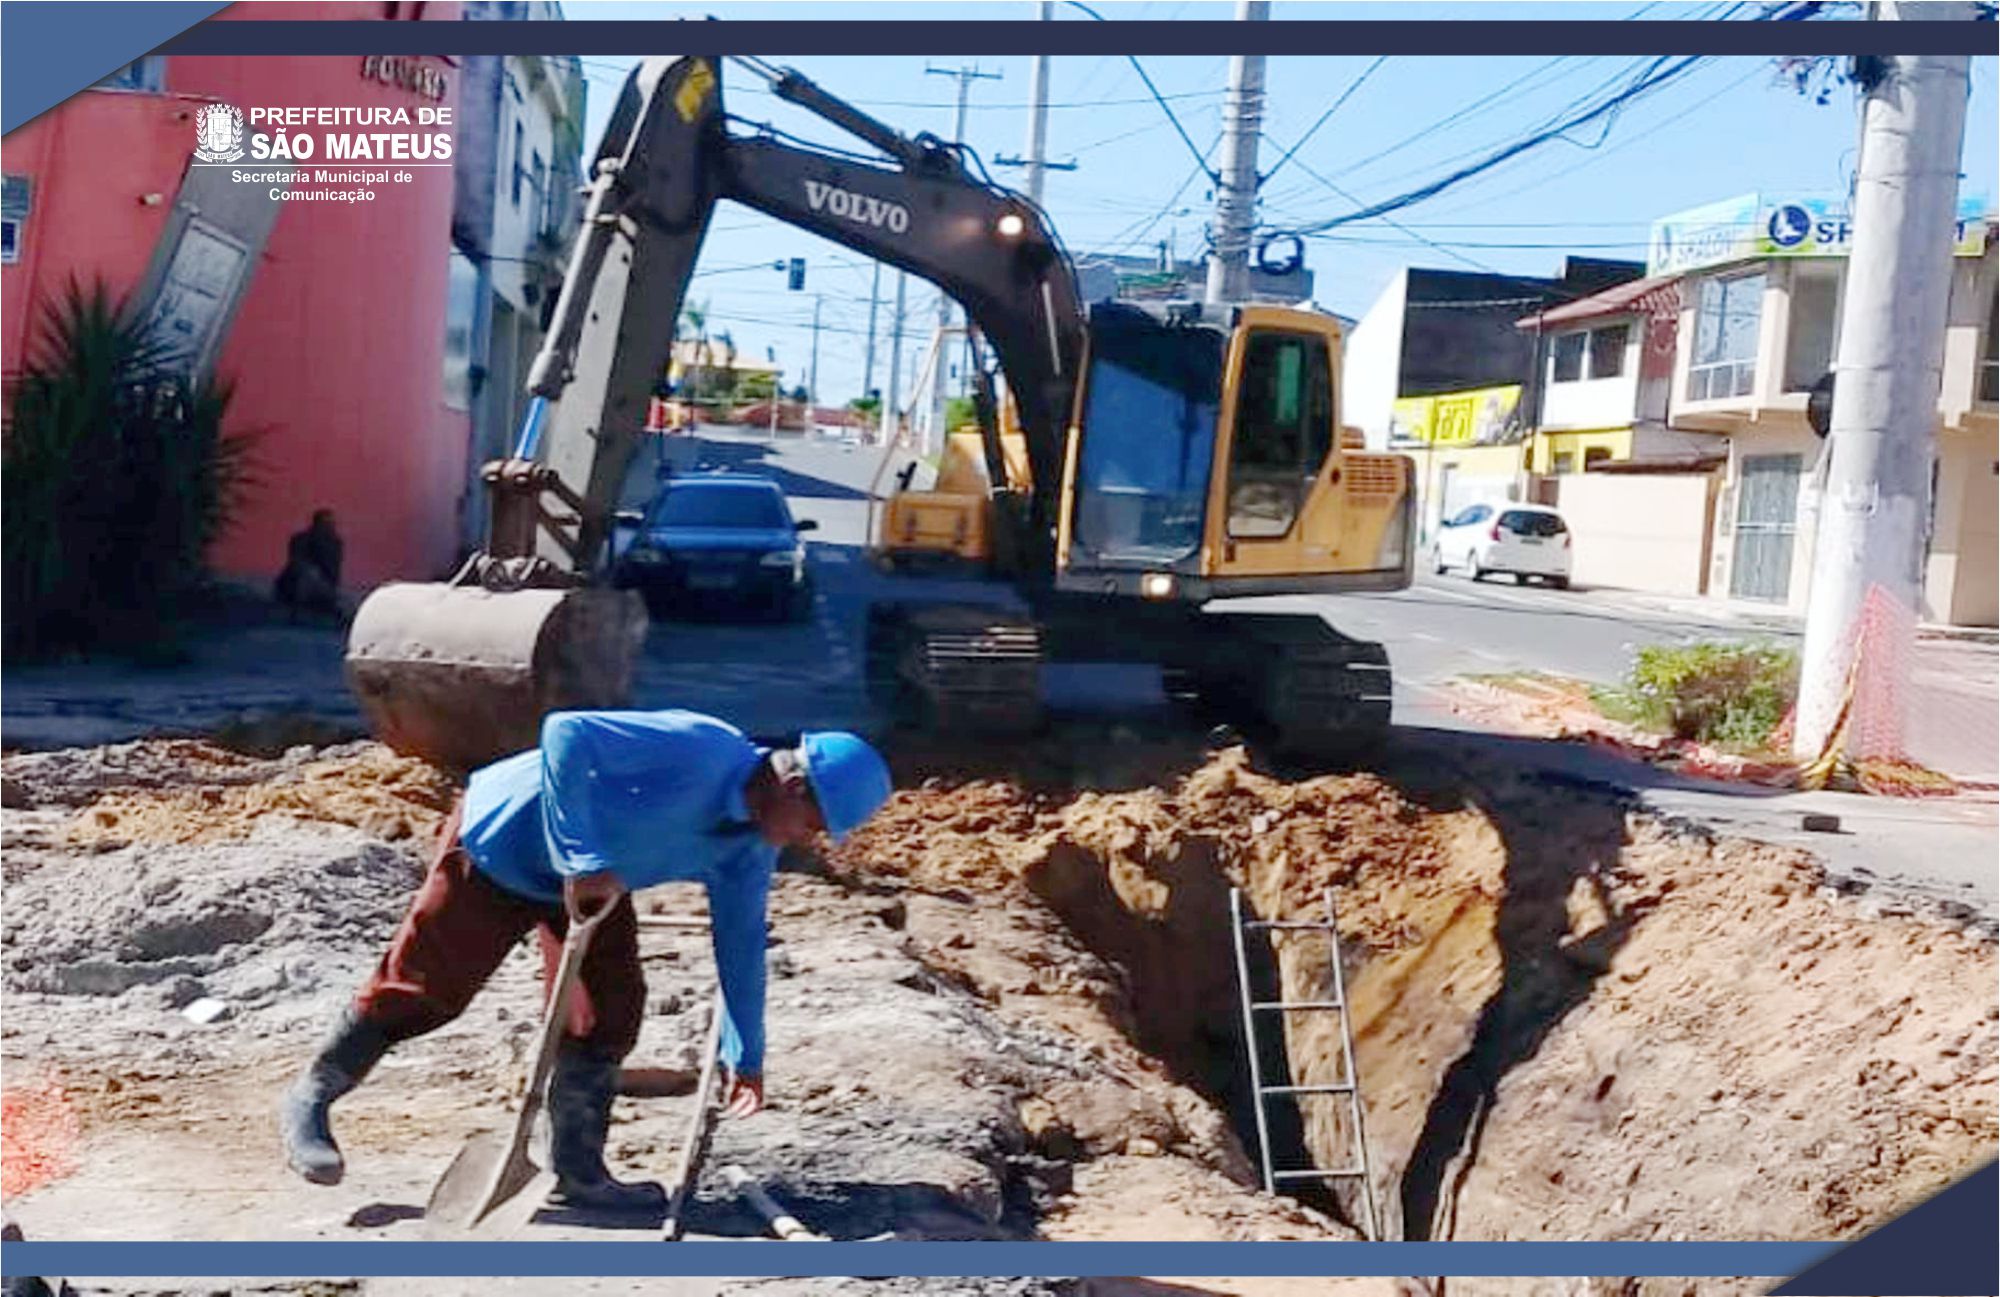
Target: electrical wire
{"x":1154,"y":90}
{"x":1638,"y":88}
{"x":1345,"y":95}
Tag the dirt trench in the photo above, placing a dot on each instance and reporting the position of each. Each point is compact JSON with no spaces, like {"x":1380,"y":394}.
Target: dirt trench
{"x":1571,"y":1020}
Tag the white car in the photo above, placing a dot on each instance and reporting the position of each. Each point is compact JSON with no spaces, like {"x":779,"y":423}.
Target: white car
{"x":1521,"y":539}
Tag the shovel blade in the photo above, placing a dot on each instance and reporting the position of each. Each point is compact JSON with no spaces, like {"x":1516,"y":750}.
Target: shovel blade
{"x":492,"y":1189}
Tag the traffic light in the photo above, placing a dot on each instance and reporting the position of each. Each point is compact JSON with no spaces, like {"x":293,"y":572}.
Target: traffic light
{"x":796,"y":280}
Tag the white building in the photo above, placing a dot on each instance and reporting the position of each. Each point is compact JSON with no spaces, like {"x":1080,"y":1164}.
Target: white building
{"x":518,"y":169}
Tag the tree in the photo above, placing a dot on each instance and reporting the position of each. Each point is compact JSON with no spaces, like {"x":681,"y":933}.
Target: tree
{"x":694,"y":324}
{"x":726,"y":377}
{"x":117,"y":478}
{"x":958,"y":412}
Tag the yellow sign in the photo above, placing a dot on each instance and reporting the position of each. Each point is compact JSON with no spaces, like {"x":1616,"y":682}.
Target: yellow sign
{"x":688,"y":99}
{"x":1481,"y":417}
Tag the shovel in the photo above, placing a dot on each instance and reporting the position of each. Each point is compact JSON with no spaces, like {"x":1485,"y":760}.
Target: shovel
{"x":493,"y":1188}
{"x":700,"y":1126}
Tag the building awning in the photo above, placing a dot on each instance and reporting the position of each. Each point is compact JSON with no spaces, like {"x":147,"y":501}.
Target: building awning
{"x":1659,"y":294}
{"x":1663,"y":464}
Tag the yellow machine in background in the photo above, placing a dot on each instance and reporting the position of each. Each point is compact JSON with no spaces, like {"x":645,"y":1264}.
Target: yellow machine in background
{"x":952,"y":520}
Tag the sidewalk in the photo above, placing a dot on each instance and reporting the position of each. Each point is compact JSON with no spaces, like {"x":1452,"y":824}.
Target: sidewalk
{"x":1764,"y":616}
{"x":239,"y":674}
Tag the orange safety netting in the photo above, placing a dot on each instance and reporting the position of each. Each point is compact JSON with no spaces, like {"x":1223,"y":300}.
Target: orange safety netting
{"x":38,"y":1135}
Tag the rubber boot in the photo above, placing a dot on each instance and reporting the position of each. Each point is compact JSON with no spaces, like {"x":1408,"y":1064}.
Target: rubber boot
{"x":344,"y":1061}
{"x":580,"y":1094}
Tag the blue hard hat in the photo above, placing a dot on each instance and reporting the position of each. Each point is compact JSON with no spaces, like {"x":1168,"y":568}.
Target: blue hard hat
{"x":849,"y":778}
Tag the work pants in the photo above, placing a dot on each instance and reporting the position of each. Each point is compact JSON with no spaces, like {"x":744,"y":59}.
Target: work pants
{"x":459,"y":927}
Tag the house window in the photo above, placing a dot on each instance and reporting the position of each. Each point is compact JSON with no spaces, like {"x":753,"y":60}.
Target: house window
{"x":1724,"y":363}
{"x":1592,"y":354}
{"x":1989,"y":358}
{"x":149,"y":73}
{"x":1595,"y":455}
{"x":1564,"y":461}
{"x":15,"y":199}
{"x":1569,"y":348}
{"x":538,"y":179}
{"x":1812,"y":323}
{"x":520,"y":143}
{"x":1607,"y":351}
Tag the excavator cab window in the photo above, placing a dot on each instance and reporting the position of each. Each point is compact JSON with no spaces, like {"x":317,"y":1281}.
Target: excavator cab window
{"x":1284,"y":428}
{"x":1149,"y":420}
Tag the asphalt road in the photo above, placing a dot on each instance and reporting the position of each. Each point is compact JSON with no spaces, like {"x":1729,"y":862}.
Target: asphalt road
{"x":775,"y":679}
{"x":1443,"y":627}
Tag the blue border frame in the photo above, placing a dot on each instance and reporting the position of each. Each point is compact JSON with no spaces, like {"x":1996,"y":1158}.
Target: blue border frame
{"x":52,"y":50}
{"x":956,"y":1260}
{"x":944,"y":38}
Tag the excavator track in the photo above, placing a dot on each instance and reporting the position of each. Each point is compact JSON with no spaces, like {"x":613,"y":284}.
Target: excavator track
{"x":1309,"y":691}
{"x":956,"y":668}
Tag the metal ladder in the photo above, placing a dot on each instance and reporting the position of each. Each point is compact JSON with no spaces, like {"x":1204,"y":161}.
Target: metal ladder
{"x":1349,"y":1086}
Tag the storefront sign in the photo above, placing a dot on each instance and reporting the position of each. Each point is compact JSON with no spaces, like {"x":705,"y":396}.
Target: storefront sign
{"x":1481,"y":417}
{"x":1755,"y":227}
{"x":412,"y":74}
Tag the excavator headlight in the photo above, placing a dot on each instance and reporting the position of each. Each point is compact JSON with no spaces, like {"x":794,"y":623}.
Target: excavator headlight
{"x":1156,"y":585}
{"x":1011,"y":225}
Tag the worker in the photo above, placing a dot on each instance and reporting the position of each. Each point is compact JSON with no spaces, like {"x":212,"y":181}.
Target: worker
{"x":612,"y":801}
{"x":310,"y":580}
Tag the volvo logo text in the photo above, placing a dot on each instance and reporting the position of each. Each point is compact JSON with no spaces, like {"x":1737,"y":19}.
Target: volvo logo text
{"x":859,"y":208}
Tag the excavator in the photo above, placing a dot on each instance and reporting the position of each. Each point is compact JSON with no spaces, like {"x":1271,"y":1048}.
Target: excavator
{"x":1141,"y":463}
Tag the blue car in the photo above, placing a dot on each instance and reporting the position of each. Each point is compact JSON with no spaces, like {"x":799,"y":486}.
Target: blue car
{"x":717,"y":540}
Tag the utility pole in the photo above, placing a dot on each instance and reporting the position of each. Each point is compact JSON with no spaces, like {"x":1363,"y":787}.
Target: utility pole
{"x":888,"y":420}
{"x":1867,"y":578}
{"x":1038,"y":112}
{"x":868,"y":353}
{"x":1236,"y":195}
{"x":812,"y":375}
{"x":1037,"y":161}
{"x":966,"y":76}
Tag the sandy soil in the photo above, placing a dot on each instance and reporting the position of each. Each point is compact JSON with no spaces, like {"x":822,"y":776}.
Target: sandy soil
{"x":1008,"y":1009}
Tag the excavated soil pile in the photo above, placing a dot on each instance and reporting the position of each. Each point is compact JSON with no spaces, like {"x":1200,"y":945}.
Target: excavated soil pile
{"x":1570,"y":1021}
{"x":187,"y":871}
{"x":367,"y":787}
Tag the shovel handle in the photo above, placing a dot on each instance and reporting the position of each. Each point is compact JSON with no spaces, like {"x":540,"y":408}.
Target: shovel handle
{"x":575,"y":946}
{"x":696,"y":1145}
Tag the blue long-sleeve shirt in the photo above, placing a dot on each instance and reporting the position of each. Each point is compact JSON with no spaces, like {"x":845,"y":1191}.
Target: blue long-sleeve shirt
{"x":651,"y":797}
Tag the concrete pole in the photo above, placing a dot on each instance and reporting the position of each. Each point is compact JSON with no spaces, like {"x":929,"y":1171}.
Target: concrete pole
{"x":966,"y":76}
{"x":868,"y":353}
{"x":1236,"y":196}
{"x":1869,"y":547}
{"x":812,"y":375}
{"x":1038,"y":110}
{"x":889,"y":407}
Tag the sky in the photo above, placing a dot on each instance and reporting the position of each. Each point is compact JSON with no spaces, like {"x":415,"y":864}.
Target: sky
{"x":1730,"y":127}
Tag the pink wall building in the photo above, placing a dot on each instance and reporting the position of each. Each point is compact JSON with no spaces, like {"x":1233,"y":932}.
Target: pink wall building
{"x":337,"y":353}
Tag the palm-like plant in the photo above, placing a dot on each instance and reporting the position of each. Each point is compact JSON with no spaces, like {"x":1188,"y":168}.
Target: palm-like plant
{"x":694,"y":323}
{"x":117,"y":478}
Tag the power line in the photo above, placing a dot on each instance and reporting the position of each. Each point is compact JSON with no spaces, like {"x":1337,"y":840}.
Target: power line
{"x":1154,"y":90}
{"x":1355,"y":85}
{"x":1653,"y":80}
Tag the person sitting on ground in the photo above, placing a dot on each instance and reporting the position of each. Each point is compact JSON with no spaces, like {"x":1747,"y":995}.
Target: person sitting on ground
{"x":310,"y":581}
{"x":611,"y":801}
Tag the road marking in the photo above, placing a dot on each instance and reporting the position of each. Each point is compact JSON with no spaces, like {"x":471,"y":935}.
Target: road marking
{"x":1426,"y":638}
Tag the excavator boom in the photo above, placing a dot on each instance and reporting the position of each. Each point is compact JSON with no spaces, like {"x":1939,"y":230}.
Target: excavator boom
{"x":461,"y":673}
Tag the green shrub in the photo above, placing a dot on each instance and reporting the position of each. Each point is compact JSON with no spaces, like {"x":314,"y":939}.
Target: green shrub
{"x":116,"y":478}
{"x":1731,"y":695}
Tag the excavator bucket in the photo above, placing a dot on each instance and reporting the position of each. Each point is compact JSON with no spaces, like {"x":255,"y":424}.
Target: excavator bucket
{"x":461,"y":675}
